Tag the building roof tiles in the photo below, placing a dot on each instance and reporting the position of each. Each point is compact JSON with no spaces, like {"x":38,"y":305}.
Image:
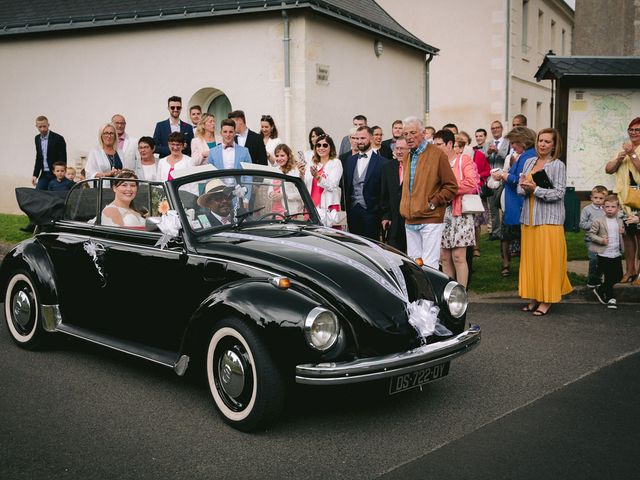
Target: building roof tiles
{"x":37,"y":16}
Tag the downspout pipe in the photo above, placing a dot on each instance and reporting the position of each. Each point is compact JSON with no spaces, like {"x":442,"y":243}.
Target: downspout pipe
{"x":286,"y":40}
{"x":427,"y":106}
{"x":507,"y":80}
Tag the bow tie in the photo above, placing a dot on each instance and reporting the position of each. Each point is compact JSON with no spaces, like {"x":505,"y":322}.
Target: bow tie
{"x":228,"y":146}
{"x":362,"y":155}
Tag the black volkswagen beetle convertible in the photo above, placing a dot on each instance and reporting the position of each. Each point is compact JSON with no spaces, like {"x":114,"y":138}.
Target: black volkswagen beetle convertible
{"x":234,"y":269}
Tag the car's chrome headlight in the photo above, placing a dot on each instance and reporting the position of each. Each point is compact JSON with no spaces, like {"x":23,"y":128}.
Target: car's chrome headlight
{"x":321,"y":328}
{"x":456,"y":298}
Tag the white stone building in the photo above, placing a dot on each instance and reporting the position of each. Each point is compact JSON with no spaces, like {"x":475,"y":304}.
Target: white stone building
{"x":489,"y":53}
{"x":306,"y":63}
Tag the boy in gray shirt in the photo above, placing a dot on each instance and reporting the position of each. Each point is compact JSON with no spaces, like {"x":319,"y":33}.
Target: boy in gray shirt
{"x":587,"y":216}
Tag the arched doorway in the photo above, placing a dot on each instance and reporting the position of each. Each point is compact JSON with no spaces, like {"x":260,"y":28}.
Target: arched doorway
{"x":212,"y":100}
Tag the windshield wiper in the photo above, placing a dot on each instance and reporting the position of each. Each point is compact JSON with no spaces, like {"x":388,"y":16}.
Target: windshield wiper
{"x":291,"y":215}
{"x":243,"y":216}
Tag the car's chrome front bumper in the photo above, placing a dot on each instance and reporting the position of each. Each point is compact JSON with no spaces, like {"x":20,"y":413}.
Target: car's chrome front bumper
{"x":368,"y":369}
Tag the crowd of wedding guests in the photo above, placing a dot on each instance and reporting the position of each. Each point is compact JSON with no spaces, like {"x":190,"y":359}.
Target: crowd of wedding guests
{"x":425,"y":191}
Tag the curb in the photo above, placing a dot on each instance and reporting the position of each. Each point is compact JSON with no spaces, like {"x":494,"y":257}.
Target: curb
{"x":624,"y":293}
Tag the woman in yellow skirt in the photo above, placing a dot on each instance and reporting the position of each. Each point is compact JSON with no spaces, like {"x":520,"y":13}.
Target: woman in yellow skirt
{"x":543,"y":256}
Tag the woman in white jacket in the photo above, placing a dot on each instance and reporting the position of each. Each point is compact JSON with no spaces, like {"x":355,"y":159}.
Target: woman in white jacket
{"x":322,"y":177}
{"x":104,"y":160}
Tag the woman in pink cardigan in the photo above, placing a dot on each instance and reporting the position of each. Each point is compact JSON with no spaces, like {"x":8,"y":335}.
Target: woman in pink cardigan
{"x":459,"y":228}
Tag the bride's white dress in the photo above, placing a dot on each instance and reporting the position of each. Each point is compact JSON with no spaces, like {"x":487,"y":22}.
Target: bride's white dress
{"x":130,"y":218}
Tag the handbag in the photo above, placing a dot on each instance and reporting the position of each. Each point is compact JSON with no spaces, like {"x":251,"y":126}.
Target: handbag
{"x":332,"y":218}
{"x":471,"y":202}
{"x":633,"y":198}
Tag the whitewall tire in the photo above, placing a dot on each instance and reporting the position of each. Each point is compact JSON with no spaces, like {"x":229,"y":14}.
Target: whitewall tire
{"x":22,"y":311}
{"x":246,"y":385}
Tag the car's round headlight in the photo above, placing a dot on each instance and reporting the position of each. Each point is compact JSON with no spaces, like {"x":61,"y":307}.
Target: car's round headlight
{"x":321,"y":328}
{"x":456,"y":297}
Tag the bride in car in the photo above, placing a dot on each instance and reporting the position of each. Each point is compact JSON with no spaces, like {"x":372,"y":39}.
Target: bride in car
{"x":119,"y":213}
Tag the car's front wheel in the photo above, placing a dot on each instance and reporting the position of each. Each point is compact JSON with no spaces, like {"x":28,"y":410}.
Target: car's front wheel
{"x":246,"y":384}
{"x":22,"y":311}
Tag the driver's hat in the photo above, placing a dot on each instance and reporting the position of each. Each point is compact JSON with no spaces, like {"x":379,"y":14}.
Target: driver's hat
{"x":214,"y":187}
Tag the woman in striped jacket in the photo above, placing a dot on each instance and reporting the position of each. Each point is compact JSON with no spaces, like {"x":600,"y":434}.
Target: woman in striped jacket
{"x":543,"y":258}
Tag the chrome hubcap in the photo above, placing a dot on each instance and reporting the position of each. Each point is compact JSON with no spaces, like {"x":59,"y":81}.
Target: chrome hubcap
{"x":21,"y":308}
{"x":231,"y":374}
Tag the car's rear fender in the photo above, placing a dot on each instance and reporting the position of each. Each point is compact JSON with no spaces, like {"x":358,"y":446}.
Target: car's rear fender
{"x":31,"y":256}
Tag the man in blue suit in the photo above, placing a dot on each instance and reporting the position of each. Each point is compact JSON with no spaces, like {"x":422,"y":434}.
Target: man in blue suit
{"x":228,"y":154}
{"x":363,"y":186}
{"x":172,"y":124}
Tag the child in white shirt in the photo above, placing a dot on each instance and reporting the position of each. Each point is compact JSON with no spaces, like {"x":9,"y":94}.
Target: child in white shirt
{"x":606,"y":241}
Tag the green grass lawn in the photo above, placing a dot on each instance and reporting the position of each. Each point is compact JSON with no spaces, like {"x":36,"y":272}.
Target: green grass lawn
{"x":486,"y":268}
{"x":10,"y":228}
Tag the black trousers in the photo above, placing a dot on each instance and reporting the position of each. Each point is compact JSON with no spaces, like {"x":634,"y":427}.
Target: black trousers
{"x":611,"y":268}
{"x":363,"y":222}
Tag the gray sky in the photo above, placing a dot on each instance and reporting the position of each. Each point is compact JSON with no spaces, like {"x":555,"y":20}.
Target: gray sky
{"x":571,"y":3}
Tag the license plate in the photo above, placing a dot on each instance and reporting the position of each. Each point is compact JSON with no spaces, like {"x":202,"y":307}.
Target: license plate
{"x":407,"y":381}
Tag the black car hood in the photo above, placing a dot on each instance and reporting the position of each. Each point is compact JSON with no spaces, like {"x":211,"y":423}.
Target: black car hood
{"x":350,"y":274}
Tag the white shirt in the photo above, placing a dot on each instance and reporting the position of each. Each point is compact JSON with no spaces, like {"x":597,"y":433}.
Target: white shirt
{"x":222,"y":220}
{"x":612,"y":249}
{"x":228,"y":157}
{"x":175,"y":127}
{"x":242,"y":138}
{"x":363,"y":162}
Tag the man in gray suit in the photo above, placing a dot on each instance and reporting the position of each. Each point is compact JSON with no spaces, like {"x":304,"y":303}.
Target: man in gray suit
{"x":497,"y":151}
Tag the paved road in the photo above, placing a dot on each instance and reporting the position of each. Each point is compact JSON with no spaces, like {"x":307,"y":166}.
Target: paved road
{"x":536,"y":394}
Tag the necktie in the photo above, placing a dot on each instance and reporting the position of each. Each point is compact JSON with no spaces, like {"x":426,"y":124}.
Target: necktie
{"x":400,"y":170}
{"x":224,"y":220}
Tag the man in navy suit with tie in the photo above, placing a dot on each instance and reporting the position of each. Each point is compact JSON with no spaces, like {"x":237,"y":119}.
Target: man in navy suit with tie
{"x":392,"y":174}
{"x":172,"y":124}
{"x":362,"y":185}
{"x":50,"y":148}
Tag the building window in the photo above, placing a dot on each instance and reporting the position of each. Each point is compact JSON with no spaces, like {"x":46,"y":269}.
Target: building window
{"x":563,"y":50}
{"x":539,"y":113}
{"x":525,"y":26}
{"x":553,"y":36}
{"x":523,"y":107}
{"x":541,"y":48}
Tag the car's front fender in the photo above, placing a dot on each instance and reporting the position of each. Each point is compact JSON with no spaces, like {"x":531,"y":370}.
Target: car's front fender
{"x":279,"y":315}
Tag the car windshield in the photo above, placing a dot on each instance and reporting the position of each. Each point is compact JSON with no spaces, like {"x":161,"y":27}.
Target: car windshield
{"x":239,"y":199}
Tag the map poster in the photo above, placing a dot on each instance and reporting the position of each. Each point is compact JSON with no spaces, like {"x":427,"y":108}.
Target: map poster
{"x":596,"y":129}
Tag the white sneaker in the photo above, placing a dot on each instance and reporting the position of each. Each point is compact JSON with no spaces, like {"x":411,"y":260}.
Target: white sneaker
{"x":599,"y":296}
{"x":612,"y":304}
